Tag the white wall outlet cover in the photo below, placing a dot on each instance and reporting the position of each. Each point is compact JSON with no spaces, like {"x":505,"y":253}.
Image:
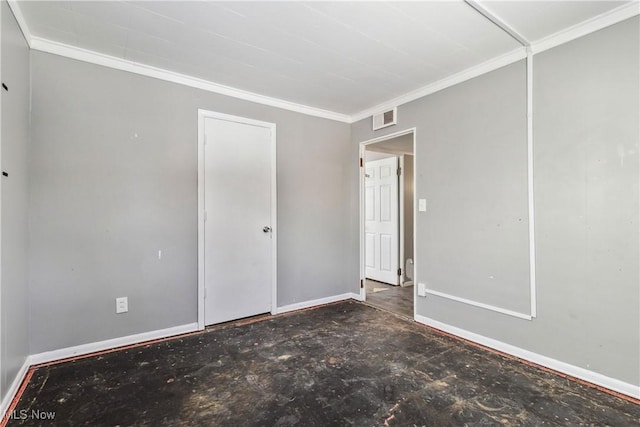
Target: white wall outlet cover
{"x":422,"y":205}
{"x":422,"y":290}
{"x":122,"y":305}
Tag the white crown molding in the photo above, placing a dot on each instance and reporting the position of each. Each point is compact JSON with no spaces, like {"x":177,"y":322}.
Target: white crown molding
{"x":597,"y":23}
{"x":73,"y":52}
{"x":22,"y":23}
{"x":469,"y":73}
{"x":589,"y":26}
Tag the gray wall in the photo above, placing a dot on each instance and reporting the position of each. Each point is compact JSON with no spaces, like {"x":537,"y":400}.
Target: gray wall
{"x":113,"y":180}
{"x":13,"y":189}
{"x":471,"y":168}
{"x":471,"y":156}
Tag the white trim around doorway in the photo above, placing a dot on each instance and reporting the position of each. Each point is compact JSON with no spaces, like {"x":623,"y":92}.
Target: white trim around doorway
{"x":362,"y":148}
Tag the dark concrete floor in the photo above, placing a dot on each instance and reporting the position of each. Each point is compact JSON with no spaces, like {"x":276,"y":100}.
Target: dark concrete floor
{"x":338,"y":365}
{"x":396,"y":299}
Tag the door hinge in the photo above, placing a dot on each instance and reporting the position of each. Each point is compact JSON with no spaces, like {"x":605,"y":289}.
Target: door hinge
{"x":205,"y":216}
{"x":361,"y":162}
{"x":361,"y":283}
{"x":399,"y":272}
{"x":399,"y":171}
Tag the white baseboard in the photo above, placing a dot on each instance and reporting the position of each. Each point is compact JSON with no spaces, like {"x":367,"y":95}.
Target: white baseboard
{"x":84,"y":349}
{"x":79,"y":350}
{"x":357,"y":297}
{"x":313,"y":303}
{"x":572,"y":370}
{"x":565,"y":368}
{"x":13,"y":389}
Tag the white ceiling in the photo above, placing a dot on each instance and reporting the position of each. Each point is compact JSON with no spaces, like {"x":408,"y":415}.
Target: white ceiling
{"x":343,"y":57}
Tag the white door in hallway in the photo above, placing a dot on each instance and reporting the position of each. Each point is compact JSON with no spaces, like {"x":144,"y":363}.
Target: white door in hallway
{"x":382,"y":220}
{"x":238,"y":262}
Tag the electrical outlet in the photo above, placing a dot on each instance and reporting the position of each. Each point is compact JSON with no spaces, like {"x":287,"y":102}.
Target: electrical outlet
{"x":422,"y":205}
{"x":422,"y":290}
{"x":122,"y":305}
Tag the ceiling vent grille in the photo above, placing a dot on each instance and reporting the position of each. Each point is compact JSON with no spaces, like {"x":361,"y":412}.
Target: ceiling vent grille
{"x":386,"y":118}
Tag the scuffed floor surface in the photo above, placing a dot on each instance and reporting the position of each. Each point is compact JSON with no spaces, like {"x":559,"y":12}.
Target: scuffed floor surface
{"x":396,"y":299}
{"x":338,"y":365}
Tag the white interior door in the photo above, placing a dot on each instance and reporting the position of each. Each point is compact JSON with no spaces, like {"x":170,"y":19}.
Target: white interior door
{"x":381,"y":220}
{"x":237,"y":227}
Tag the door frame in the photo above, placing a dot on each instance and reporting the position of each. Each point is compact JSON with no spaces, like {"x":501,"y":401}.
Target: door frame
{"x":401,"y":221}
{"x":362,"y":149}
{"x":202,"y":116}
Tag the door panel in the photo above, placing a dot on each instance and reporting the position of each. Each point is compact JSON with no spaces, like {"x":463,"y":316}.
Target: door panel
{"x":370,"y":201}
{"x":385,"y":171}
{"x":370,"y":250}
{"x":386,"y":252}
{"x":237,"y":254}
{"x":385,"y":203}
{"x":382,"y":220}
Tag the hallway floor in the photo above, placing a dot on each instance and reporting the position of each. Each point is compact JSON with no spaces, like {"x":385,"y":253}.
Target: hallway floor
{"x":396,"y":299}
{"x":340,"y":364}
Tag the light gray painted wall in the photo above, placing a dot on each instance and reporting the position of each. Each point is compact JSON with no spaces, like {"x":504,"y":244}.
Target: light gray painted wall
{"x":587,"y":110}
{"x":15,"y":139}
{"x":113,"y":180}
{"x":471,"y":154}
{"x":471,"y":167}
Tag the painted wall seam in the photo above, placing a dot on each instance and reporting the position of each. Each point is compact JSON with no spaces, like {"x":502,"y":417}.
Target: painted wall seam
{"x":201,"y":218}
{"x":530,"y":189}
{"x":499,"y":22}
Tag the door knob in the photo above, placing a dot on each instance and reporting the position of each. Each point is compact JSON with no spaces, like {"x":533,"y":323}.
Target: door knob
{"x":266,"y":229}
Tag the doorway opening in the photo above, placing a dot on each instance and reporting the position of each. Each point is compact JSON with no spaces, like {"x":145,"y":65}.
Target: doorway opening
{"x":387,"y":212}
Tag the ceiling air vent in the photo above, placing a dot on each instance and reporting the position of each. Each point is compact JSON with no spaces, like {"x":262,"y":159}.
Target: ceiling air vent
{"x":386,"y":118}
